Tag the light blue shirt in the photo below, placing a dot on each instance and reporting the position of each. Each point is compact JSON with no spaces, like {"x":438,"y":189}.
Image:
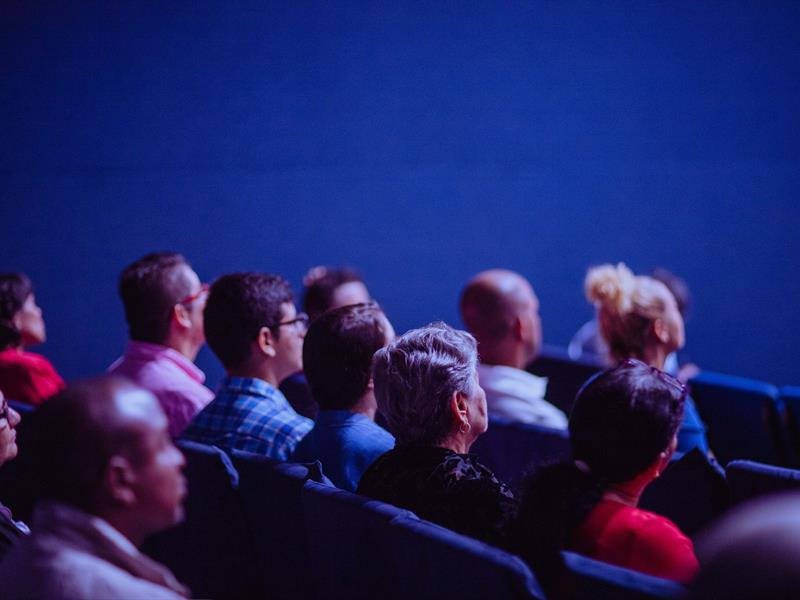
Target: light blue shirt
{"x":346,"y":443}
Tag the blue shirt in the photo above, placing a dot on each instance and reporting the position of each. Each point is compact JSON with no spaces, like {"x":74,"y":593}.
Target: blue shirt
{"x":251,"y":415}
{"x":693,"y":431}
{"x":346,"y":443}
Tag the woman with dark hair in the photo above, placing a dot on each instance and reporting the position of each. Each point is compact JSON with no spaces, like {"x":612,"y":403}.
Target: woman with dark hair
{"x":623,"y":430}
{"x":426,"y":385}
{"x":24,"y":376}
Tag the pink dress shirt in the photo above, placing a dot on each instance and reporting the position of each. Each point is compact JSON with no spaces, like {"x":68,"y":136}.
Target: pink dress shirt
{"x":173,"y":378}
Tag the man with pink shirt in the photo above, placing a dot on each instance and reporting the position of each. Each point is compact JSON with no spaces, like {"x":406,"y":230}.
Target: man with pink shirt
{"x":164,"y":302}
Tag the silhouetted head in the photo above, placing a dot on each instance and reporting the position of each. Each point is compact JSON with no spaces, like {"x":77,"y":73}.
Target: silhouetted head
{"x":21,"y":322}
{"x":501,"y":310}
{"x":338,"y":351}
{"x":427,"y":386}
{"x":636,"y":313}
{"x":327,"y":288}
{"x":250,"y":320}
{"x":164,"y":299}
{"x":103,"y":446}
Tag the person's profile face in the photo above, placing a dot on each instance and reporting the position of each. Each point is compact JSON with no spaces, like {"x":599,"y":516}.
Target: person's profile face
{"x":352,"y":292}
{"x":9,"y":419}
{"x":159,"y":481}
{"x":289,"y":345}
{"x":30,"y":323}
{"x":196,"y":303}
{"x":476,"y":403}
{"x":674,"y":322}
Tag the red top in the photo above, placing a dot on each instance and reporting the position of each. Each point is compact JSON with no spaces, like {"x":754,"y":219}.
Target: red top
{"x":27,"y":377}
{"x":636,"y":539}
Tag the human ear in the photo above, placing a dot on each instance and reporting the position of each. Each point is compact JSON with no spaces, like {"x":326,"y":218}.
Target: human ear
{"x":458,"y":407}
{"x":181,"y":315}
{"x":266,"y":342}
{"x":119,"y":480}
{"x":661,"y":331}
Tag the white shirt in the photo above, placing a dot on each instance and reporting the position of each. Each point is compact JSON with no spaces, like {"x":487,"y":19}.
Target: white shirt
{"x":518,"y":395}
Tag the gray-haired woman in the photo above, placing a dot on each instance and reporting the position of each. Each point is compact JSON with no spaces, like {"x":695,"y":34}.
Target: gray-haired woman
{"x":427,"y":388}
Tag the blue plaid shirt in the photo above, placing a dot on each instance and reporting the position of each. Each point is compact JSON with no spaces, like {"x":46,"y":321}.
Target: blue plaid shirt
{"x":249,"y":414}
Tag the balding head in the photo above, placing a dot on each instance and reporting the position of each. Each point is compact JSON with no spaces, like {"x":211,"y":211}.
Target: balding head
{"x":500,"y":308}
{"x":103,"y":446}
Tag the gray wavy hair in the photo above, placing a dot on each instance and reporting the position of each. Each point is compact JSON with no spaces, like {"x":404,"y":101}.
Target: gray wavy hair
{"x":416,"y":376}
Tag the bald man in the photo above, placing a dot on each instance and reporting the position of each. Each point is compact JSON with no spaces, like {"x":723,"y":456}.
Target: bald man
{"x":108,"y":476}
{"x":501,"y":310}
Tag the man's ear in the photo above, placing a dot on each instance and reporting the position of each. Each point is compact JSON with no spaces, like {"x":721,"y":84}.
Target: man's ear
{"x":119,"y":480}
{"x":370,"y":385}
{"x":265,"y":341}
{"x":181,"y":315}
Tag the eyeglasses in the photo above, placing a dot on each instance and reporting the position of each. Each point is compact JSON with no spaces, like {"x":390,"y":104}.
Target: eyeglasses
{"x":300,"y":322}
{"x":192,"y":297}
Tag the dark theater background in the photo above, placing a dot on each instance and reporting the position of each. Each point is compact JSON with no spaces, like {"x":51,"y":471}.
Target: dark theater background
{"x":420,"y":142}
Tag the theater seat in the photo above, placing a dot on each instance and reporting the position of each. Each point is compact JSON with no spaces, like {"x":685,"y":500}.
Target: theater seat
{"x":595,"y":580}
{"x":747,"y":479}
{"x":742,"y":416}
{"x":211,"y":551}
{"x":790,"y":397}
{"x":511,"y":449}
{"x":691,"y":492}
{"x":271,"y":495}
{"x":363,"y":548}
{"x":346,"y":535}
{"x":440,"y":563}
{"x":564,"y":375}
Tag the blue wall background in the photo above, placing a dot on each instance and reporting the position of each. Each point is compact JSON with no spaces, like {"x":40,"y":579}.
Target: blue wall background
{"x":421,"y":142}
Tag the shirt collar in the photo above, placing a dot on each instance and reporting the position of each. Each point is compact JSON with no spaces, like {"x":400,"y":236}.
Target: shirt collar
{"x":489,"y":375}
{"x":146,"y":351}
{"x":251,"y":386}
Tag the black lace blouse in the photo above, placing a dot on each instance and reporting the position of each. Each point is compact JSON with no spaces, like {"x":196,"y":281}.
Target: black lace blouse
{"x":453,"y":490}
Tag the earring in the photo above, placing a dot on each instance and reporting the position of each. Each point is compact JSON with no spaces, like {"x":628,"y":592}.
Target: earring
{"x":465,"y":427}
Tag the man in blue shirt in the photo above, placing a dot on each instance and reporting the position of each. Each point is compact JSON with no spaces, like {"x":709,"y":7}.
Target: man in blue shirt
{"x":252,"y":326}
{"x":337,"y":356}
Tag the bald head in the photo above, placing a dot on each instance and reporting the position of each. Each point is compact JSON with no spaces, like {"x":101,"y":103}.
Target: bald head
{"x":76,"y":433}
{"x":500,"y":308}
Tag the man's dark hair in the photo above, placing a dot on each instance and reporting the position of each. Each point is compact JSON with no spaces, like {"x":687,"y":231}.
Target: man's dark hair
{"x":238,"y":306}
{"x":320,"y":287}
{"x":150,"y":288}
{"x":14,"y":290}
{"x":73,"y":436}
{"x":337,"y":353}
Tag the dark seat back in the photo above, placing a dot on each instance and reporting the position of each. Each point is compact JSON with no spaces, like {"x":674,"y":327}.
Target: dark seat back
{"x":271,"y":496}
{"x":594,"y":580}
{"x":790,"y":400}
{"x":439,"y":563}
{"x":742,"y":416}
{"x":512,"y":449}
{"x":691,"y":492}
{"x":345,"y":534}
{"x":748,"y":479}
{"x":564,"y":375}
{"x":211,"y":551}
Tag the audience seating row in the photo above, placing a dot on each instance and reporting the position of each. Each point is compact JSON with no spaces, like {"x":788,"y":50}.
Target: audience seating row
{"x":746,"y":419}
{"x":256,"y":527}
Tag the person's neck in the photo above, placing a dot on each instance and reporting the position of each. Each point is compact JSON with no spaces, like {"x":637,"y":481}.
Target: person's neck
{"x":458,"y":443}
{"x":628,"y":492}
{"x":259,"y":370}
{"x":184,"y":346}
{"x":366,"y":406}
{"x":655,"y":357}
{"x":123,"y":524}
{"x":504,"y":355}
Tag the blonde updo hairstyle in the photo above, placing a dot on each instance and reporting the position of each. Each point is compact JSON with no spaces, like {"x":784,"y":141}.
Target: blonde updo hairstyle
{"x":627,"y":305}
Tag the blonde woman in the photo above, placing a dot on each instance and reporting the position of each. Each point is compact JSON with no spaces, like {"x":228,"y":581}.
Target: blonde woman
{"x":639,"y":318}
